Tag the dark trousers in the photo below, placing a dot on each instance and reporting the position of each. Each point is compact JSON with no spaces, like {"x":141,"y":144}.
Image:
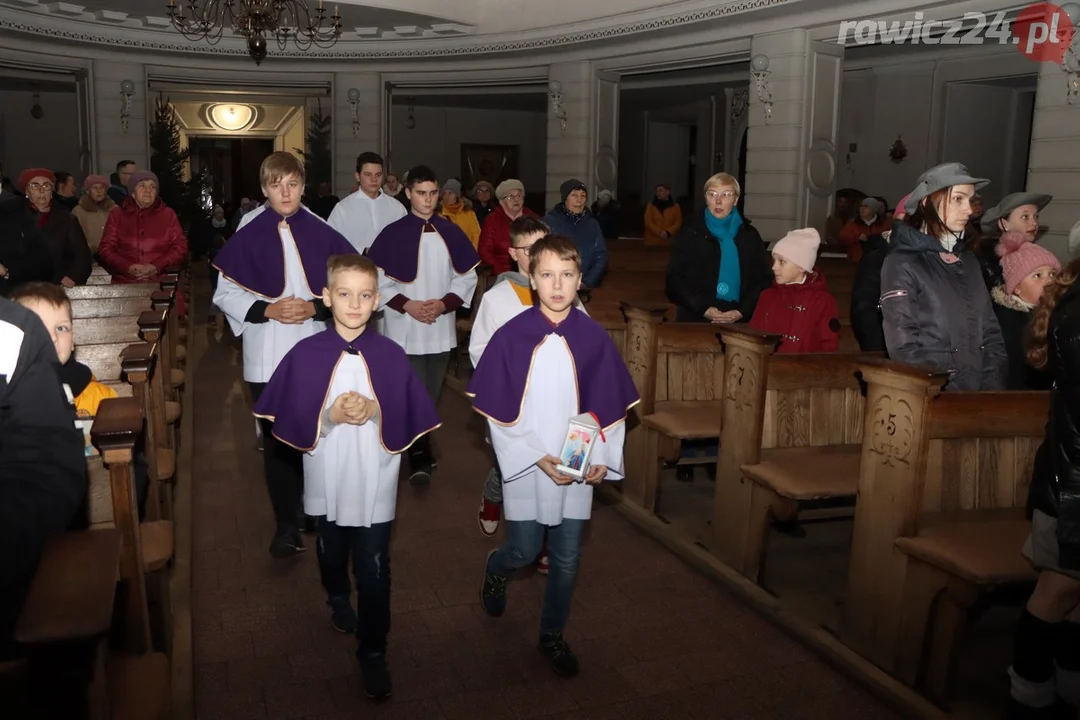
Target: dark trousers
{"x":431,"y":369}
{"x":370,"y":548}
{"x":284,"y":469}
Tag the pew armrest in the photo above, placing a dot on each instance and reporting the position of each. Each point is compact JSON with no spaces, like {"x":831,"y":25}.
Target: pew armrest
{"x":138,"y":359}
{"x":746,"y":334}
{"x":71,"y":595}
{"x":152,"y":321}
{"x":117,"y":425}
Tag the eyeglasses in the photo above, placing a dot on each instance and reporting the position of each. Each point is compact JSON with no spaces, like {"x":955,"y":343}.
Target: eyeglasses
{"x":41,"y":187}
{"x":725,"y":194}
{"x":515,"y":196}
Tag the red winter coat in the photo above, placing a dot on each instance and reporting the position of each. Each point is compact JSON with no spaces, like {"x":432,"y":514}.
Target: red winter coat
{"x":141,"y":236}
{"x":804,"y":314}
{"x":494,"y":245}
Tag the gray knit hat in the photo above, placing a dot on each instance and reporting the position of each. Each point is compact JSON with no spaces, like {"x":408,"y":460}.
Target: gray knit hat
{"x":508,"y":186}
{"x":453,"y":186}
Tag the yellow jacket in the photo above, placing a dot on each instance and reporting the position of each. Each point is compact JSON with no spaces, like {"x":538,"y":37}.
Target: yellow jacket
{"x":86,"y":404}
{"x":464,"y":218}
{"x":657,"y":222}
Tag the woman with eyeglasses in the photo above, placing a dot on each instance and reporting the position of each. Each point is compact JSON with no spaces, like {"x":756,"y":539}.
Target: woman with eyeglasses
{"x":719,"y":264}
{"x":60,"y":231}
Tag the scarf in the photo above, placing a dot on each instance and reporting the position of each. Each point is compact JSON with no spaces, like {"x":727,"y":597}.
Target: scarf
{"x":663,"y":205}
{"x":573,"y":216}
{"x":724,"y":230}
{"x":214,"y":222}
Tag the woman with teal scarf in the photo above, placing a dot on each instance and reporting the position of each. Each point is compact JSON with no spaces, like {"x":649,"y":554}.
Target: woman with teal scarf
{"x":719,"y":264}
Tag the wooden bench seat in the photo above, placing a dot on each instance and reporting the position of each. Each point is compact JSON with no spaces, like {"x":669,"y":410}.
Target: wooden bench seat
{"x":688,"y":420}
{"x":984,"y":553}
{"x":808,"y":473}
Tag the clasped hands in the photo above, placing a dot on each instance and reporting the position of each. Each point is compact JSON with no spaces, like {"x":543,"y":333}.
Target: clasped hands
{"x":352,"y":408}
{"x":715,"y":316}
{"x":142,"y":271}
{"x":290,"y":310}
{"x":427,"y":311}
{"x":550,"y":467}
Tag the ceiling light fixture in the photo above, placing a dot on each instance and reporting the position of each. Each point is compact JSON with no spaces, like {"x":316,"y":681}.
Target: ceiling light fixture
{"x":231,"y":117}
{"x":254,"y":20}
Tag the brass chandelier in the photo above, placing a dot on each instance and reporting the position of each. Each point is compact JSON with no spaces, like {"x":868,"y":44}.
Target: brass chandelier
{"x":255,"y":20}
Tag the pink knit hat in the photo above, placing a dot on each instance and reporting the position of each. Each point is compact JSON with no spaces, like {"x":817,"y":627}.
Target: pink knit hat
{"x":1020,"y":258}
{"x":799,"y":247}
{"x":899,"y":212}
{"x":92,"y":180}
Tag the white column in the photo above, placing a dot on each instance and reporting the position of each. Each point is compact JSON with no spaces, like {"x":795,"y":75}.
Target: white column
{"x":369,"y":137}
{"x":1054,"y":162}
{"x":111,"y":142}
{"x":791,"y":162}
{"x":569,"y":153}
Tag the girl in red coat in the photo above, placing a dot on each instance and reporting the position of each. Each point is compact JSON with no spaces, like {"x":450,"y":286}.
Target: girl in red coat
{"x":798,"y":306}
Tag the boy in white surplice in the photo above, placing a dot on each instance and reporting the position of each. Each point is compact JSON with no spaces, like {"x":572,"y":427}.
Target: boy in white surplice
{"x":349,"y":401}
{"x":543,"y":367}
{"x":427,"y":271}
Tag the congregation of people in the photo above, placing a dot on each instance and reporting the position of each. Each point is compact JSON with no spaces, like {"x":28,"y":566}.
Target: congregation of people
{"x":347,"y":334}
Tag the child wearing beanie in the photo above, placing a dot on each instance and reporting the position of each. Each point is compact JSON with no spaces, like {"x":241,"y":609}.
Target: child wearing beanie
{"x":799,"y":306}
{"x":1026,"y":269}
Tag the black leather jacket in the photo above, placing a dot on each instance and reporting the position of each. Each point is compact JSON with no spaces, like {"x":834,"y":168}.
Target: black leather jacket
{"x":1055,"y":482}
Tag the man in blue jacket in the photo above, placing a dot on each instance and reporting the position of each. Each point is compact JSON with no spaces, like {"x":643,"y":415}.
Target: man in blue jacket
{"x":572,"y":218}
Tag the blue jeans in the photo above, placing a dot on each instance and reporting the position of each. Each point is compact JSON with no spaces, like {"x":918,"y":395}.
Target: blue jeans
{"x":370,"y":549}
{"x":524,"y":539}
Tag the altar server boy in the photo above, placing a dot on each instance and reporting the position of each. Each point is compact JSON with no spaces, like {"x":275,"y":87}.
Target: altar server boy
{"x":348,"y":399}
{"x":546,"y":365}
{"x":362,"y":215}
{"x":272,"y":274}
{"x":427,"y":270}
{"x":510,"y":296}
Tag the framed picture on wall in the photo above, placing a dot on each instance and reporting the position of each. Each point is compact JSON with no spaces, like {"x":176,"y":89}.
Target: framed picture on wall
{"x":493,"y":163}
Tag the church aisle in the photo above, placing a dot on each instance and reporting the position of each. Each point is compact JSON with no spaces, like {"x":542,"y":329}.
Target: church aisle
{"x":655,"y":639}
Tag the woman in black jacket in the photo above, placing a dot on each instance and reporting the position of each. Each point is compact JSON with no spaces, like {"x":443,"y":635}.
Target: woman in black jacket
{"x":23,"y":256}
{"x":935,"y":308}
{"x":866,"y":288}
{"x":1046,"y":648}
{"x":719,"y":264}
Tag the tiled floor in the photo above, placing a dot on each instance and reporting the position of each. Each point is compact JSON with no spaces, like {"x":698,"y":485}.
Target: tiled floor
{"x":656,"y":640}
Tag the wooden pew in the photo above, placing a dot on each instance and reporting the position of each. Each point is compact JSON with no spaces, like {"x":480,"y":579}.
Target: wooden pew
{"x":678,"y":369}
{"x":792,"y":432}
{"x":940,"y":519}
{"x":139,"y":680}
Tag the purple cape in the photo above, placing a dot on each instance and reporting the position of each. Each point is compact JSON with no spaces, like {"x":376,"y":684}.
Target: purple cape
{"x":397,"y":248}
{"x":254,"y":257}
{"x":603,"y":382}
{"x":297,"y":392}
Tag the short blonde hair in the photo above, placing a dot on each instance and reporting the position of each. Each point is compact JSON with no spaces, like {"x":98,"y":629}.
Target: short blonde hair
{"x":340,"y":263}
{"x":563,"y":247}
{"x":278,"y":166}
{"x":722,"y":179}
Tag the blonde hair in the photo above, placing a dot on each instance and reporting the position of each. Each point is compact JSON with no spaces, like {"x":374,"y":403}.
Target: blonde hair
{"x":563,"y":247}
{"x":340,"y":263}
{"x":722,"y":179}
{"x":278,"y":166}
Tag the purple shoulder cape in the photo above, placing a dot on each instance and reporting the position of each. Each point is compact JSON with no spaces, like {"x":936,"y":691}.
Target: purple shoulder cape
{"x":255,"y":260}
{"x":397,"y":248}
{"x":604,"y":384}
{"x":297,"y":392}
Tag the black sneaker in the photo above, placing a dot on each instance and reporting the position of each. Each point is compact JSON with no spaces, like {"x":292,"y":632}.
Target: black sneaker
{"x":342,"y":615}
{"x":286,"y":545}
{"x":557,"y":652}
{"x":493,"y":591}
{"x":419,"y":469}
{"x":377,"y":684}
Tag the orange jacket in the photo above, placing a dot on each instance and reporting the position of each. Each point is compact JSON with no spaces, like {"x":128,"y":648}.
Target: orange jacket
{"x":657,"y":221}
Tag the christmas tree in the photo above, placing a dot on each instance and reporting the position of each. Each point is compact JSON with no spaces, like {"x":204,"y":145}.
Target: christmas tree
{"x":168,"y":160}
{"x":317,"y":158}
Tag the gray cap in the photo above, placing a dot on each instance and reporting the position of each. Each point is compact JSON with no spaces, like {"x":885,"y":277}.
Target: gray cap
{"x":453,"y":186}
{"x":940,"y":177}
{"x":1010,"y":203}
{"x":873,"y":203}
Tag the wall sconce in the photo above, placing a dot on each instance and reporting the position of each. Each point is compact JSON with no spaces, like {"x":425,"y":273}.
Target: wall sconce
{"x":557,"y":109}
{"x":354,"y":103}
{"x":1070,"y":61}
{"x":759,"y":72}
{"x":127,"y":89}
